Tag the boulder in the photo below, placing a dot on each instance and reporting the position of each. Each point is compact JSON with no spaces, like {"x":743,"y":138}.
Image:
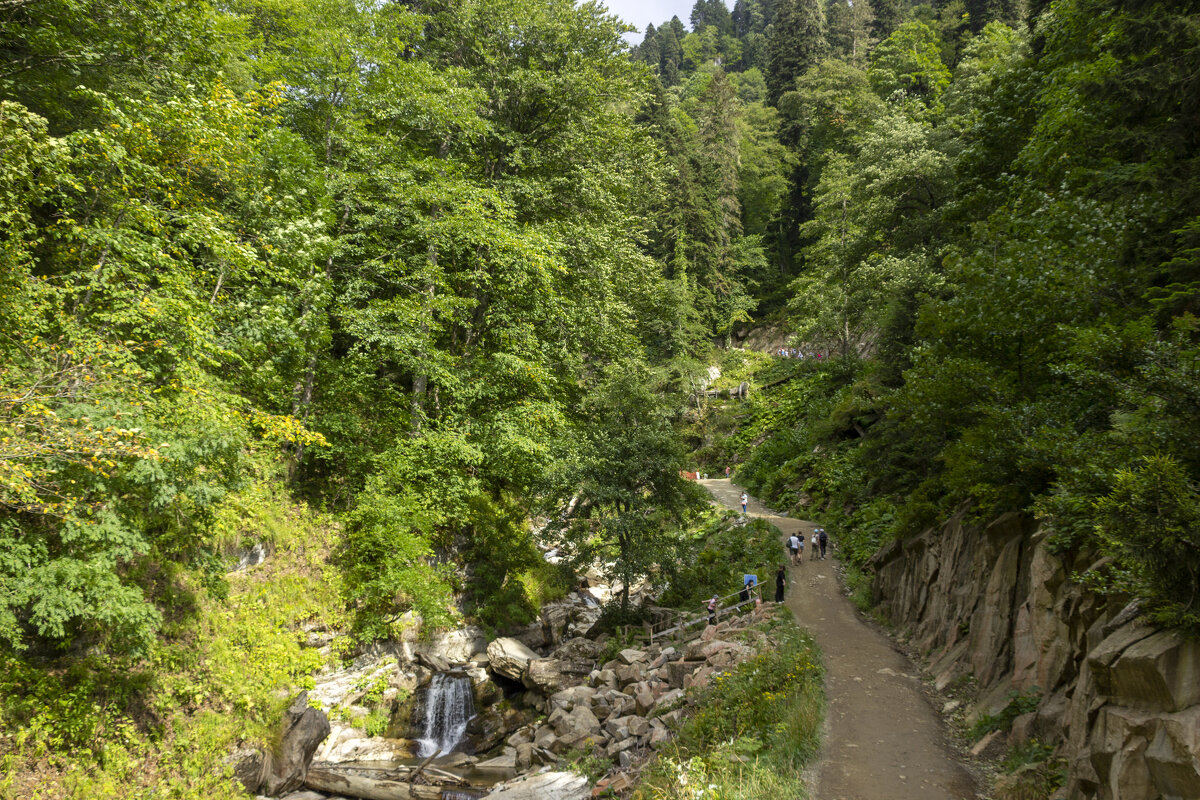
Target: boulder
{"x":486,"y":730}
{"x":668,"y":699}
{"x":545,"y":737}
{"x":556,"y":618}
{"x":249,"y":767}
{"x":660,"y":734}
{"x":502,"y":763}
{"x":578,"y":649}
{"x":509,"y":657}
{"x":606,"y":677}
{"x":698,"y":679}
{"x":582,"y":721}
{"x":532,"y":635}
{"x":630,"y":673}
{"x":569,"y":698}
{"x":303,"y":729}
{"x":546,"y":675}
{"x":644,"y":698}
{"x":524,"y":756}
{"x":632,"y":656}
{"x":620,"y":746}
{"x":678,"y":671}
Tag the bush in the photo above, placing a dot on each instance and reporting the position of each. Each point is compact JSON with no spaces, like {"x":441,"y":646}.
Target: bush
{"x":719,"y":555}
{"x":753,"y":729}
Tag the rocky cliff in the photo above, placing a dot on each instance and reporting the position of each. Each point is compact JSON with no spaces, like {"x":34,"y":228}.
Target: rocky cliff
{"x":999,"y":616}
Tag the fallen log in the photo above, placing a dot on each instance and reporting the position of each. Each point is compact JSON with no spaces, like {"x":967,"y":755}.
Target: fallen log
{"x":351,"y":785}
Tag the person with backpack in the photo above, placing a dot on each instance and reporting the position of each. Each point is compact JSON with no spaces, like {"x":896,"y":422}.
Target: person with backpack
{"x":823,"y":539}
{"x":795,"y":546}
{"x":745,"y":501}
{"x":815,"y":546}
{"x":712,"y":610}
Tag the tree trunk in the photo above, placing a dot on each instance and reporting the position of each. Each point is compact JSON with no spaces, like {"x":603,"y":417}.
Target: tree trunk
{"x":337,"y":782}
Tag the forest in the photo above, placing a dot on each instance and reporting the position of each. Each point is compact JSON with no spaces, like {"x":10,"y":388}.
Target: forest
{"x":382,"y":283}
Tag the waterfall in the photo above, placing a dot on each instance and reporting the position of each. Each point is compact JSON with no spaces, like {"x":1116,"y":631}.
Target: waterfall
{"x":449,"y":706}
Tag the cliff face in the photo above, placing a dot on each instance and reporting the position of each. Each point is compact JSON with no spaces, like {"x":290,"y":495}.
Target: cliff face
{"x":994,"y":603}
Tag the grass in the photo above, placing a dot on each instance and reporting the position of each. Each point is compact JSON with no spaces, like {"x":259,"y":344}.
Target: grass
{"x":1030,"y":773}
{"x":859,"y":585}
{"x":753,"y":730}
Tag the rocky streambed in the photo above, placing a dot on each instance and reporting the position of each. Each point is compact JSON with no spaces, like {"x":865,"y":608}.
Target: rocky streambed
{"x":532,"y":702}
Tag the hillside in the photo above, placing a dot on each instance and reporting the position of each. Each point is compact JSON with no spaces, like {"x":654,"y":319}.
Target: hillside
{"x":408,"y":294}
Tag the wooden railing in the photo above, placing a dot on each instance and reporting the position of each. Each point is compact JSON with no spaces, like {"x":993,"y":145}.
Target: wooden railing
{"x":680,"y":621}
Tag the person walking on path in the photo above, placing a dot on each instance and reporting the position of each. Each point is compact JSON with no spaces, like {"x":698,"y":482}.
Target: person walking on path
{"x":823,"y":538}
{"x":745,"y":501}
{"x":712,"y":610}
{"x":780,"y":579}
{"x":795,"y":546}
{"x":816,"y":546}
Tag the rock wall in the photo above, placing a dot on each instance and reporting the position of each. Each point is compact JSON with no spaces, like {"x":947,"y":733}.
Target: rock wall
{"x":996,"y":612}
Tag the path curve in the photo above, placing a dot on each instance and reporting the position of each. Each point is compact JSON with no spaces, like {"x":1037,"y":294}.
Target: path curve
{"x":883,"y":740}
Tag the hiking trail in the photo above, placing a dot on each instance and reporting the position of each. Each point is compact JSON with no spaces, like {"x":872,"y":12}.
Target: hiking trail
{"x":882,"y":738}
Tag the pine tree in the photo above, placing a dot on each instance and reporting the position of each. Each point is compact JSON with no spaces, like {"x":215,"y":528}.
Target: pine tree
{"x":888,"y":16}
{"x":796,"y":42}
{"x":712,"y":12}
{"x":670,"y":52}
{"x":649,"y":51}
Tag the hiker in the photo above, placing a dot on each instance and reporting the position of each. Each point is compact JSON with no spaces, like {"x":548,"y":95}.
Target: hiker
{"x":744,"y":594}
{"x":712,"y":610}
{"x":823,"y":538}
{"x":795,"y":546}
{"x":745,"y":501}
{"x":727,"y":473}
{"x":816,"y":543}
{"x":780,"y":578}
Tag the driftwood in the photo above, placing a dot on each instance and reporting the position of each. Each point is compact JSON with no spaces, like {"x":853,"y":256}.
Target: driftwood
{"x":332,"y":781}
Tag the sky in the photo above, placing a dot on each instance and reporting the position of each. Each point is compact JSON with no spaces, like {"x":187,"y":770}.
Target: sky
{"x":643,"y":12}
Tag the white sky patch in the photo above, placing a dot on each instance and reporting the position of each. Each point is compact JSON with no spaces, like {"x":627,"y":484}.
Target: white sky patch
{"x":650,"y":12}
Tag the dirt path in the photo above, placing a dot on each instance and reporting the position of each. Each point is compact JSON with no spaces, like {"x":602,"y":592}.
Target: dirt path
{"x":883,"y":741}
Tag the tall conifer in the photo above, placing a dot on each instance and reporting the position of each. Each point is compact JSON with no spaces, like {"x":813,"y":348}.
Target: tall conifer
{"x":796,"y":42}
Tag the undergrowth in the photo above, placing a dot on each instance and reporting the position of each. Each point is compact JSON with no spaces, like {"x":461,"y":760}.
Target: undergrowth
{"x":753,"y":729}
{"x":161,"y":727}
{"x":720,"y":553}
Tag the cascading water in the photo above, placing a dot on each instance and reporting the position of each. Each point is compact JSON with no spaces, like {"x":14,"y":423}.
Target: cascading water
{"x":449,"y":706}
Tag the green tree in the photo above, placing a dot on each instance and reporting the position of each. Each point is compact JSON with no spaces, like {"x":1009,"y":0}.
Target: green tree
{"x":630,"y":500}
{"x":796,"y":42}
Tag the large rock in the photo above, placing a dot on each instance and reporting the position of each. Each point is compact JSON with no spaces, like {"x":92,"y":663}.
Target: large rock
{"x":1173,"y":756}
{"x":544,"y":786}
{"x":1160,"y":672}
{"x":578,"y":649}
{"x":546,"y":675}
{"x":509,"y":657}
{"x":569,"y":698}
{"x":486,"y":730}
{"x":455,"y":647}
{"x":579,"y":722}
{"x":303,"y":729}
{"x":678,"y":671}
